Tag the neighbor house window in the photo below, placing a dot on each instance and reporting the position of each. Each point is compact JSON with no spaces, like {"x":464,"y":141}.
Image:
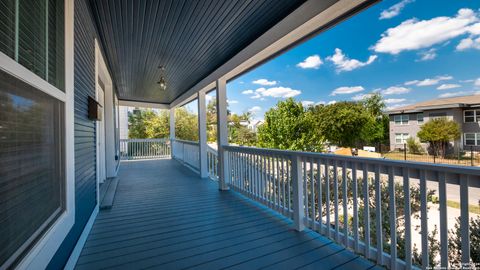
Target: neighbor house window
{"x":420,"y":118}
{"x":401,"y":138}
{"x":472,"y":139}
{"x":401,"y":119}
{"x":471,"y":116}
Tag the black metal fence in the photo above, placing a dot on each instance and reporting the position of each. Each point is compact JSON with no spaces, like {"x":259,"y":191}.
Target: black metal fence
{"x":465,"y":157}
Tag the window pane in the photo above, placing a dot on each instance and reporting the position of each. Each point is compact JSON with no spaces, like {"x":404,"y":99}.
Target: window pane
{"x":31,"y":165}
{"x":7,"y":27}
{"x":56,"y":45}
{"x":420,"y":117}
{"x":32,"y":36}
{"x":396,"y":118}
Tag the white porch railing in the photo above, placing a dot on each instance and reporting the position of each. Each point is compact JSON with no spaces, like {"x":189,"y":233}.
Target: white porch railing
{"x":307,"y":186}
{"x":187,"y":152}
{"x":144,"y":148}
{"x":212,"y":163}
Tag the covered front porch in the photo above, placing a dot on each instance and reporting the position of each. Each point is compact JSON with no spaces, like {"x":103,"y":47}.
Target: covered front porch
{"x":165,"y":216}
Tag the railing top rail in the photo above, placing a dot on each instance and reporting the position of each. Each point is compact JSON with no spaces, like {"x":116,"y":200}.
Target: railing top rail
{"x":186,"y":142}
{"x":444,"y":168}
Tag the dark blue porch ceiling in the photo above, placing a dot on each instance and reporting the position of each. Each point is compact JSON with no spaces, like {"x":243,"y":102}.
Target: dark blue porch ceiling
{"x":190,"y":38}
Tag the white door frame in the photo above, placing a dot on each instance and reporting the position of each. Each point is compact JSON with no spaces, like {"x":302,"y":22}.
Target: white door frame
{"x":102,"y":73}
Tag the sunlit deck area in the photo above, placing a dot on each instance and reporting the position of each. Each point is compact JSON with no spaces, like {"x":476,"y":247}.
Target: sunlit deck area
{"x":164,"y":216}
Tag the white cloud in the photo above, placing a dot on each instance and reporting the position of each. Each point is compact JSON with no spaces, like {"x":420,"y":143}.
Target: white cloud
{"x":429,"y":81}
{"x":394,"y":10}
{"x":343,"y":63}
{"x":360,"y":97}
{"x":313,"y":61}
{"x":232,"y":101}
{"x":265,"y":82}
{"x":320,"y":103}
{"x":307,"y":103}
{"x":458,"y":94}
{"x":428,"y":55}
{"x":395,"y":90}
{"x":446,"y":86}
{"x":394,"y":100}
{"x":347,"y":90}
{"x":247,"y":92}
{"x":331,"y":102}
{"x":275,"y":92}
{"x":469,"y":43}
{"x":414,"y":34}
{"x":255,"y":109}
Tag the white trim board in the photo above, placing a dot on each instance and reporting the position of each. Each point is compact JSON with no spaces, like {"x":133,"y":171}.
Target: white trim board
{"x":297,"y":27}
{"x":72,"y":260}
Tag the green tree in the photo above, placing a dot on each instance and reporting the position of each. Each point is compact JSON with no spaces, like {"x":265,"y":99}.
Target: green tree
{"x":186,"y":124}
{"x":146,"y":124}
{"x":289,"y":126}
{"x":343,"y":123}
{"x":438,"y":133}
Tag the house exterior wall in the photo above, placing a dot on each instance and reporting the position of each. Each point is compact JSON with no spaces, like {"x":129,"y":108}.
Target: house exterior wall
{"x":85,"y":134}
{"x":413,"y":127}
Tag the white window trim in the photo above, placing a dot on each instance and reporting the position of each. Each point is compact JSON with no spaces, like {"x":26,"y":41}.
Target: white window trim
{"x":401,"y":119}
{"x":476,"y":138}
{"x":475,"y":116}
{"x":45,"y":248}
{"x":423,"y":118}
{"x":402,"y":137}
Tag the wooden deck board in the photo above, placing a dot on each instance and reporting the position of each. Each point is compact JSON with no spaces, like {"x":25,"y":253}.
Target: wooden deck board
{"x":166,"y":217}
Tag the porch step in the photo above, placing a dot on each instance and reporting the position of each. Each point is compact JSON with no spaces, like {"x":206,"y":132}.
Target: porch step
{"x":110,"y":188}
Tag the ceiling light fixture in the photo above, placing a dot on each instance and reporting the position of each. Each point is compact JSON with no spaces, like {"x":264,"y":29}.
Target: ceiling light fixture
{"x":162,"y":83}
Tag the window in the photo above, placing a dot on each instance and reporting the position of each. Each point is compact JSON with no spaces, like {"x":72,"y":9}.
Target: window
{"x":420,"y":118}
{"x":472,"y":139}
{"x":31,"y":166}
{"x":401,"y":119}
{"x":469,"y":116}
{"x":33,"y":36}
{"x":401,"y":138}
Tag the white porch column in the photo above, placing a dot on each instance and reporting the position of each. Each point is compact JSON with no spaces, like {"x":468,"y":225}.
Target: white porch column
{"x":172,"y":130}
{"x":222,"y":132}
{"x":202,"y":134}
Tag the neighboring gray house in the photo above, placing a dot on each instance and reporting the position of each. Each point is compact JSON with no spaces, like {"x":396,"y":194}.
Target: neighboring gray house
{"x":406,"y":121}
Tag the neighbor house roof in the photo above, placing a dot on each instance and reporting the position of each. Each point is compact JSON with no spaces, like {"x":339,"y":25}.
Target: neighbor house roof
{"x":442,"y":103}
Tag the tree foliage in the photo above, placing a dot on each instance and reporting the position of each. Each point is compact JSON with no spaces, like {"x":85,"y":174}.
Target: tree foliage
{"x":290,"y":126}
{"x":146,"y":124}
{"x":438,"y":132}
{"x":348,"y":124}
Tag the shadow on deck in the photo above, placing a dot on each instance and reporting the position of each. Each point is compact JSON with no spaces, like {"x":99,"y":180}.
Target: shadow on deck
{"x":166,"y":217}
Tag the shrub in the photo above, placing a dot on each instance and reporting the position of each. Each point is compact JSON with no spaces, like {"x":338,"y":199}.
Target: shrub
{"x":414,"y":147}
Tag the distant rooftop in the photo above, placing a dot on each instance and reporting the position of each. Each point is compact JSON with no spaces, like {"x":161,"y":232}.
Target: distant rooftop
{"x":441,"y":103}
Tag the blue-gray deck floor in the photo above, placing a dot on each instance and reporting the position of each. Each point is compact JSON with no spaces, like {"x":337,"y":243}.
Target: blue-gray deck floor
{"x":166,"y":217}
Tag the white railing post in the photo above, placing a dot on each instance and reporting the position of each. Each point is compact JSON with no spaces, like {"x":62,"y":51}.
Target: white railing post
{"x":222,"y":133}
{"x":298,"y":205}
{"x":172,"y":130}
{"x":202,"y":135}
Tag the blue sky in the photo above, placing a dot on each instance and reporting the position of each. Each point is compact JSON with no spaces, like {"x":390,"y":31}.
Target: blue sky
{"x":410,"y":51}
